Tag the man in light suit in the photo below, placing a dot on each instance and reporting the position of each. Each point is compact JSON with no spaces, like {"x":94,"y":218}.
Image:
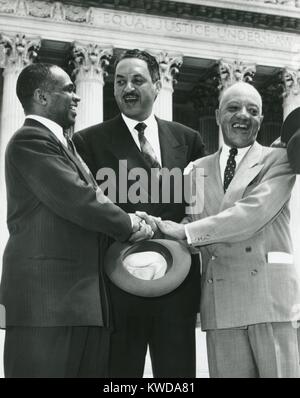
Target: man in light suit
{"x":250,"y":287}
{"x":166,"y":324}
{"x":52,"y":286}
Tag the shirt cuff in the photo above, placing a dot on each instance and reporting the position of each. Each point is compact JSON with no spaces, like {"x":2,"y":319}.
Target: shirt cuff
{"x":188,"y":237}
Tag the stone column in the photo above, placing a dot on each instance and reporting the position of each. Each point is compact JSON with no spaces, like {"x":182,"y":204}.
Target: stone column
{"x":231,"y":72}
{"x":169,"y":65}
{"x":90,"y":62}
{"x":291,"y":100}
{"x":17,"y":52}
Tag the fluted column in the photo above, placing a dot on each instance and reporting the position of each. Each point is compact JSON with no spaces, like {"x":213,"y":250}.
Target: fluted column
{"x":18,"y":51}
{"x":90,"y":62}
{"x":169,"y":65}
{"x":291,"y":100}
{"x":231,"y":72}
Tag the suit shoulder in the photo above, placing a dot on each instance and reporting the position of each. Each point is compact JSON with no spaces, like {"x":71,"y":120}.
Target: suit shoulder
{"x":29,"y":137}
{"x":175,"y":126}
{"x":206,"y":160}
{"x":275,"y":154}
{"x":100,"y":129}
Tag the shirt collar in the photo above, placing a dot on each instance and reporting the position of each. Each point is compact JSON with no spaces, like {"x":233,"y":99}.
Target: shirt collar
{"x":241,"y":151}
{"x":55,"y":128}
{"x":131,"y":123}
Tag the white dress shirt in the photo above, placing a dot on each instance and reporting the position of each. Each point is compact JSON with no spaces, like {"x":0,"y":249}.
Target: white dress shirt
{"x":223,"y":162}
{"x":151,"y":133}
{"x":55,"y":128}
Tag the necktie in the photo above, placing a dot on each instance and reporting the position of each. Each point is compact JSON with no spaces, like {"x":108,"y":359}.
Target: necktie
{"x":146,"y":147}
{"x":230,"y":168}
{"x":70,"y":143}
{"x":72,"y":148}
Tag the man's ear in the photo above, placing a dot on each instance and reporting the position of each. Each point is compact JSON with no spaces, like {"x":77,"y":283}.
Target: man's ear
{"x":40,"y":97}
{"x":218,"y":117}
{"x":261,"y":120}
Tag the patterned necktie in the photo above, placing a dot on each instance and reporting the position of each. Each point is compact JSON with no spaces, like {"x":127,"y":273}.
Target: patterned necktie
{"x":72,"y":148}
{"x":146,"y":148}
{"x":70,"y":143}
{"x":230,"y":168}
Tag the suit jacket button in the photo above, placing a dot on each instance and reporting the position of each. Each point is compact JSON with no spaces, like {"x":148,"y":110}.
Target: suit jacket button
{"x":248,"y":249}
{"x":210,"y":280}
{"x":254,"y":272}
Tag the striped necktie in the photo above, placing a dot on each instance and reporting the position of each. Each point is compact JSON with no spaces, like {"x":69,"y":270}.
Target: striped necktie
{"x":146,"y":148}
{"x":70,"y":143}
{"x":72,"y":148}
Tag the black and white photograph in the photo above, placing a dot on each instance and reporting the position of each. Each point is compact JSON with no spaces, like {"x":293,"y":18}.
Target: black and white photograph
{"x":149,"y":191}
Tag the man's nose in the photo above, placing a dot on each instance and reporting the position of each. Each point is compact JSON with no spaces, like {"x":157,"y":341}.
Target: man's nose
{"x":76,"y":97}
{"x":243,"y":112}
{"x":129,"y":87}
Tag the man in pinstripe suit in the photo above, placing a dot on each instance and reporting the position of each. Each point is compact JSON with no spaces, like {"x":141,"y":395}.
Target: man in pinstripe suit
{"x":52,"y":285}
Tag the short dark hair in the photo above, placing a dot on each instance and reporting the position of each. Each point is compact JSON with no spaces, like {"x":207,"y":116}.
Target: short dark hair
{"x":34,"y":76}
{"x":151,"y":61}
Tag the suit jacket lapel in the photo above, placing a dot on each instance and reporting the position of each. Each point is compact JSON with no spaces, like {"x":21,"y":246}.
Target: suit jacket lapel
{"x":247,"y":170}
{"x":48,"y":133}
{"x":83,"y":171}
{"x":123,"y":147}
{"x":213,"y":184}
{"x":173,"y":154}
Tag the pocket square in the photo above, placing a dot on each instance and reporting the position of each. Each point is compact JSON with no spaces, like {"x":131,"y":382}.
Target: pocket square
{"x":280,"y":258}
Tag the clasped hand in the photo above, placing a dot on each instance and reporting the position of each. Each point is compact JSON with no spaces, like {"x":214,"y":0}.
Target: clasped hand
{"x":149,"y":225}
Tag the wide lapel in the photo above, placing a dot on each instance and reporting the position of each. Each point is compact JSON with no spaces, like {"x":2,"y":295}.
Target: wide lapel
{"x":173,"y":153}
{"x":207,"y":187}
{"x":81,"y":166}
{"x":123,"y":147}
{"x":247,"y":170}
{"x":213,"y":187}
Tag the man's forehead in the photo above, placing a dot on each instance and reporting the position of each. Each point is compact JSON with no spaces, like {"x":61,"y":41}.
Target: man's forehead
{"x":132,"y":66}
{"x":60,"y":77}
{"x":241,"y":92}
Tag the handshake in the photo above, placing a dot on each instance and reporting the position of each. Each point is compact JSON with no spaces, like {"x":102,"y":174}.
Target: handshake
{"x":145,"y":226}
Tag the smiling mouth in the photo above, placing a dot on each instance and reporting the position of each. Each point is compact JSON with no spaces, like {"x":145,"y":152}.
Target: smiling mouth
{"x":130,"y":99}
{"x":240,"y":126}
{"x":73,"y":108}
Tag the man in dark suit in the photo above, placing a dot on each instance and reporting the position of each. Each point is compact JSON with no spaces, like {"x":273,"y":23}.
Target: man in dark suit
{"x":167,"y":323}
{"x":52,"y":285}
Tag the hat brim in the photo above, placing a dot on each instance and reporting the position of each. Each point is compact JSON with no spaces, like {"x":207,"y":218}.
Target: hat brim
{"x":290,"y":126}
{"x":178,"y":266}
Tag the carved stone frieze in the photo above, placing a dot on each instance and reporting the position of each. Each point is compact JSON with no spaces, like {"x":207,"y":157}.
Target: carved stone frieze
{"x":22,"y":8}
{"x":7,"y":6}
{"x":58,"y":12}
{"x":82,"y":12}
{"x":78,"y":14}
{"x":40,"y":9}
